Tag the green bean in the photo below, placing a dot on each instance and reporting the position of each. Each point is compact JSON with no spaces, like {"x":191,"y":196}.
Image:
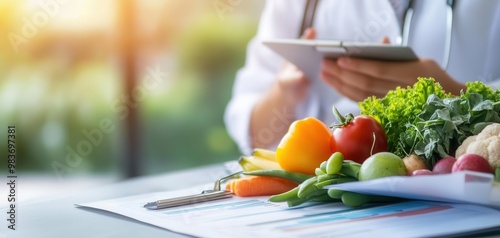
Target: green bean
{"x":319,"y":172}
{"x":335,"y":193}
{"x":324,"y":177}
{"x":325,"y":183}
{"x":322,"y":166}
{"x":334,"y":163}
{"x":316,"y":196}
{"x":350,"y":169}
{"x":318,"y":192}
{"x":307,"y":187}
{"x":296,"y":201}
{"x":335,"y":181}
{"x":325,"y":198}
{"x":292,"y":176}
{"x":283,"y":197}
{"x":354,"y":199}
{"x":345,"y":180}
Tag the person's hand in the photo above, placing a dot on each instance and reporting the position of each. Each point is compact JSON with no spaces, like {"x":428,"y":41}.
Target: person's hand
{"x":291,"y":81}
{"x":358,"y":79}
{"x":275,"y":111}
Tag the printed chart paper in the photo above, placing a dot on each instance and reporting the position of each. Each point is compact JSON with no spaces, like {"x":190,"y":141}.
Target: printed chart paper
{"x":465,"y":186}
{"x":256,"y":217}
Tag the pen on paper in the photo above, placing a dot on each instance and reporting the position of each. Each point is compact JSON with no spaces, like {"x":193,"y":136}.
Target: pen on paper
{"x":187,"y":200}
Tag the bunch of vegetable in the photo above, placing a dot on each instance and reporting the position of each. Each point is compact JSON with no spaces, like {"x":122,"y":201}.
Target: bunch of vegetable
{"x":311,"y":148}
{"x":422,"y":121}
{"x":333,"y":171}
{"x":429,"y":122}
{"x":328,"y":173}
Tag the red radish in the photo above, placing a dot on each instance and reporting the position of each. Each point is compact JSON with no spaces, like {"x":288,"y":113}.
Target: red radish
{"x":420,"y":172}
{"x":444,"y":165}
{"x":472,"y":162}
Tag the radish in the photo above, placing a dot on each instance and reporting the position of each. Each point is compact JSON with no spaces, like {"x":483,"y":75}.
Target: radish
{"x":422,"y":172}
{"x":472,"y":162}
{"x":444,"y":165}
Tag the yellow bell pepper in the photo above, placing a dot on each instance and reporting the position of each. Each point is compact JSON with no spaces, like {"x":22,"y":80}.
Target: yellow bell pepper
{"x":304,"y":146}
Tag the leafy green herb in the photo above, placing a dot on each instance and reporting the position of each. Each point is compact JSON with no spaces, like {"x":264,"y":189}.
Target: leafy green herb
{"x":444,"y":124}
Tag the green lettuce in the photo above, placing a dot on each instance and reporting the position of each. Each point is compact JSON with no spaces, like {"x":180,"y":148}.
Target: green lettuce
{"x":400,"y":107}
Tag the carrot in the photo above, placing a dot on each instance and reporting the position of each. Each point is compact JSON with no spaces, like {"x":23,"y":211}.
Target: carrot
{"x":259,"y":186}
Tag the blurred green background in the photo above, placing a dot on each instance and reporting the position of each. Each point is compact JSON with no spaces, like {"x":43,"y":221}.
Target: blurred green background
{"x":61,"y":74}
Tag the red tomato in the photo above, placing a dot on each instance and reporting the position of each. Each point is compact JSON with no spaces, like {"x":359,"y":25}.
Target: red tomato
{"x":354,"y":137}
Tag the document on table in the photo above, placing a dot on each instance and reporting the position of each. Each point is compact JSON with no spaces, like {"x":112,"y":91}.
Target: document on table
{"x":464,"y":186}
{"x":256,"y":217}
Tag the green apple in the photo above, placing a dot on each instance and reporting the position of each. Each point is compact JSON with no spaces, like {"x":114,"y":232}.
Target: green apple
{"x":382,"y":164}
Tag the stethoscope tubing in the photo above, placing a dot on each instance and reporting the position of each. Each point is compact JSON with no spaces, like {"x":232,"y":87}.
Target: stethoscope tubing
{"x":310,"y":9}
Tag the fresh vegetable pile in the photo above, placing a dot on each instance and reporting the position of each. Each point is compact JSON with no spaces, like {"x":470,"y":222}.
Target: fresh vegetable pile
{"x":415,"y":131}
{"x":431,"y":123}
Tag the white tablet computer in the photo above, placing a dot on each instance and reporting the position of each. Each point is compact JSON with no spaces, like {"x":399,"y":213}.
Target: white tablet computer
{"x":308,"y":54}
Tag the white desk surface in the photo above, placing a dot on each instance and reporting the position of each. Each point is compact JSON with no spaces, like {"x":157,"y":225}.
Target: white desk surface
{"x":59,"y":217}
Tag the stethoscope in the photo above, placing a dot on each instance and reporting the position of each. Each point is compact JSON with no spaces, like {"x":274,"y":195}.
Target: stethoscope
{"x":310,"y":9}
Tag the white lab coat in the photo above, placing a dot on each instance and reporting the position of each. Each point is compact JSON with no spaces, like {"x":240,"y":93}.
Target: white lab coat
{"x":475,"y":50}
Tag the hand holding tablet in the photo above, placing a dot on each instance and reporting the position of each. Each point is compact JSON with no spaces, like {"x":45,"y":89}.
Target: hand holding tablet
{"x":308,"y":54}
